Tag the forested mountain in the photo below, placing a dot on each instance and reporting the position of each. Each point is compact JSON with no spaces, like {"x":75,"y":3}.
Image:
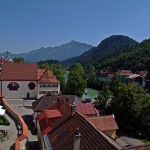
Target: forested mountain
{"x":109,"y":46}
{"x":61,"y":52}
{"x":135,"y":57}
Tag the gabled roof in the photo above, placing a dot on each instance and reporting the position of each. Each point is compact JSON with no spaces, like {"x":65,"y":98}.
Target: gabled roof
{"x":40,"y":73}
{"x":91,"y":138}
{"x":104,"y":123}
{"x":48,"y":114}
{"x":86,"y":109}
{"x":19,"y":71}
{"x":46,"y":101}
{"x":47,"y":77}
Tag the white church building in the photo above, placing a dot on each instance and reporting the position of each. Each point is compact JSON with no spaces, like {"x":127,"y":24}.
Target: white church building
{"x":21,"y":80}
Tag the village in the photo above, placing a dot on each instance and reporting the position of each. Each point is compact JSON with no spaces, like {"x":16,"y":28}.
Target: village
{"x":35,"y":115}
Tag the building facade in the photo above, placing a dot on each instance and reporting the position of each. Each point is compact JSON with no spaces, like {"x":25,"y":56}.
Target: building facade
{"x":26,"y":81}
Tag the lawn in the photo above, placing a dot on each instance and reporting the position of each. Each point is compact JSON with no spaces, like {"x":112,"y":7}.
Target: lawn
{"x":4,"y":121}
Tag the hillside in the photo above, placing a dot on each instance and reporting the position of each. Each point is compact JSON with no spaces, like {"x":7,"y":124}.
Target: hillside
{"x":108,"y":46}
{"x":61,"y":52}
{"x":136,"y":58}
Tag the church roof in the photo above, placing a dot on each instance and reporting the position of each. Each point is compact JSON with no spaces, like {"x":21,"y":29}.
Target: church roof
{"x":19,"y":71}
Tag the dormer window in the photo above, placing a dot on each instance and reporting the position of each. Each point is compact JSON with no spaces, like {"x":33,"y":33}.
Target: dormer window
{"x":13,"y":86}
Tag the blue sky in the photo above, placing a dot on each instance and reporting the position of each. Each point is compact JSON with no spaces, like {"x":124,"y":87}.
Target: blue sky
{"x":30,"y":24}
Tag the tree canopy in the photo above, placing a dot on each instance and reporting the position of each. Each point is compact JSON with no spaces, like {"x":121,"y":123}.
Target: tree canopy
{"x":76,"y":81}
{"x":18,"y":59}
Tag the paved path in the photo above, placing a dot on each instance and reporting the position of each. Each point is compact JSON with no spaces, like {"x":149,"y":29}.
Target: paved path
{"x":26,"y":113}
{"x":9,"y":144}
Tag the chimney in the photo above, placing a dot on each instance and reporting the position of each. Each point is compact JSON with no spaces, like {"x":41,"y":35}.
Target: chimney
{"x":77,"y":136}
{"x":73,"y":109}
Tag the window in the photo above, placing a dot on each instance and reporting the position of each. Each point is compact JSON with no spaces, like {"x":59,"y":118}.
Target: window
{"x":31,"y":85}
{"x":13,"y":86}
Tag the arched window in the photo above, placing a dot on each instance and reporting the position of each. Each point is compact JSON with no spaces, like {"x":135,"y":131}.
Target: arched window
{"x":13,"y":86}
{"x":31,"y":85}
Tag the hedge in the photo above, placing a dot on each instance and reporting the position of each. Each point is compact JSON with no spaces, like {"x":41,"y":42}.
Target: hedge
{"x":4,"y":121}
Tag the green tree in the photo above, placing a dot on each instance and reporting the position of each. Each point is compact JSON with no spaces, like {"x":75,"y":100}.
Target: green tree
{"x":131,"y":107}
{"x":90,"y":72}
{"x":18,"y":59}
{"x":104,"y":99}
{"x":76,"y":81}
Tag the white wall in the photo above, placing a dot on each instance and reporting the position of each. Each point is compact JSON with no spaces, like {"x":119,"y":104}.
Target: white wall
{"x":47,"y":89}
{"x":22,"y":91}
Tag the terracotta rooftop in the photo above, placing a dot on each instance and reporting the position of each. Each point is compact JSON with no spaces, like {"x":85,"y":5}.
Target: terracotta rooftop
{"x":46,"y":101}
{"x":86,"y":109}
{"x":40,"y":73}
{"x":91,"y":138}
{"x":104,"y":123}
{"x":50,"y":114}
{"x":19,"y":71}
{"x":47,"y":77}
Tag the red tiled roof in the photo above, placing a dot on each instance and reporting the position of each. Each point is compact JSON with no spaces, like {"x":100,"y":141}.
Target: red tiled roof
{"x":40,"y":73}
{"x":47,"y":101}
{"x":19,"y":71}
{"x":91,"y":138}
{"x":45,"y":126}
{"x":104,"y":123}
{"x":52,"y":113}
{"x":47,"y":77}
{"x":86,"y":109}
{"x":47,"y":114}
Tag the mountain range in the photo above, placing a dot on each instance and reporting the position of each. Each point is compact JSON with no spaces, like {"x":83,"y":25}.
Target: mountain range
{"x":116,"y":52}
{"x":60,"y":53}
{"x":108,"y":47}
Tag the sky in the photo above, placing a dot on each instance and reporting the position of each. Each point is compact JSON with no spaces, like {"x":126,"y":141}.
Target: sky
{"x":30,"y":24}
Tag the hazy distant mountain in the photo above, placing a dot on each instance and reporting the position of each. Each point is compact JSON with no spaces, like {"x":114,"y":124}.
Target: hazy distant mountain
{"x":61,"y":52}
{"x":107,"y":47}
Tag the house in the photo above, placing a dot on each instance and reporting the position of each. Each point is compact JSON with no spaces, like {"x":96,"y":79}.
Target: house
{"x":25,"y":80}
{"x":47,"y":83}
{"x":136,"y":78}
{"x":106,"y":124}
{"x":104,"y":76}
{"x":124,"y":74}
{"x":49,"y":101}
{"x":66,"y":128}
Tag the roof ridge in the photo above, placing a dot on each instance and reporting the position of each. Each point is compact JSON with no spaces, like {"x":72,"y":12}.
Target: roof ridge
{"x":43,"y":74}
{"x":102,"y":134}
{"x":40,"y":101}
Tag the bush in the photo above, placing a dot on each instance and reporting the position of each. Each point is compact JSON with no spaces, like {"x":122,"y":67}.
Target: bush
{"x":4,"y":121}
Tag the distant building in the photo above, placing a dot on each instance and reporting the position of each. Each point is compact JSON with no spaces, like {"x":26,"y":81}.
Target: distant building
{"x":25,"y":80}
